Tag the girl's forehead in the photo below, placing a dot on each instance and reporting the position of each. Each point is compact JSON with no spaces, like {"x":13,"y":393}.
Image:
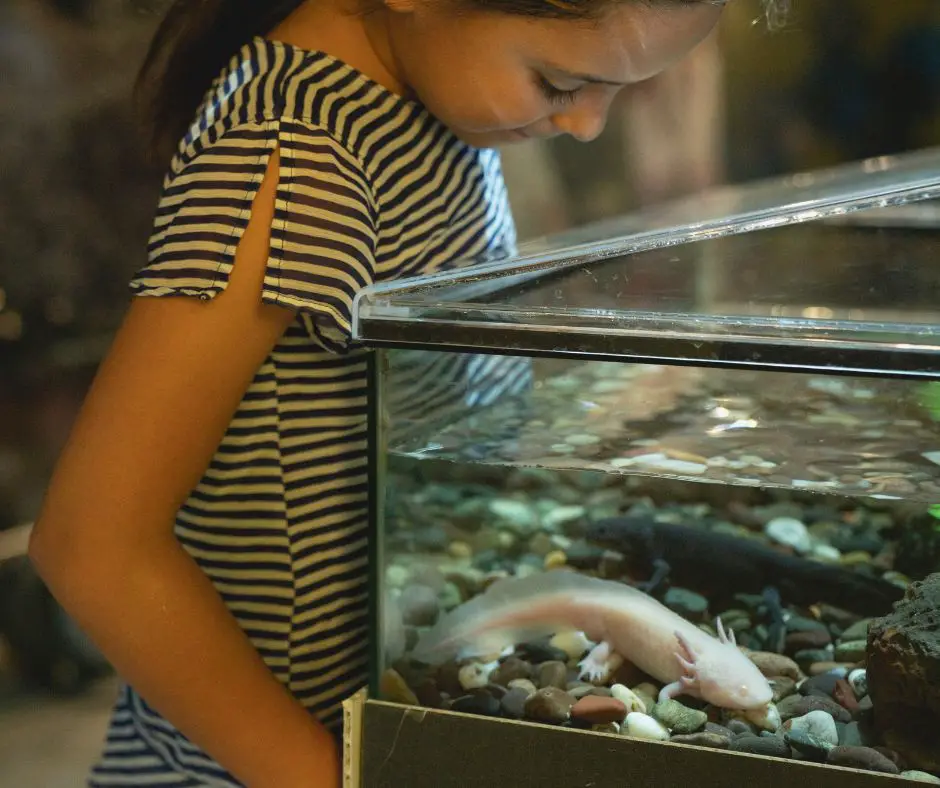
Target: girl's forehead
{"x":627,"y":43}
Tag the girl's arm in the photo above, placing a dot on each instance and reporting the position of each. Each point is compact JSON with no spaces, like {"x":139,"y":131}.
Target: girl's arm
{"x":104,"y":540}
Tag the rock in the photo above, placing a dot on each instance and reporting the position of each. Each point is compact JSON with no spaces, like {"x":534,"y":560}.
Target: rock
{"x":394,"y":688}
{"x":642,"y":726}
{"x":431,"y":539}
{"x":607,"y":727}
{"x":920,"y":777}
{"x":552,"y":674}
{"x":790,"y":532}
{"x":740,"y":727}
{"x":810,"y":639}
{"x":478,"y":703}
{"x":450,"y":596}
{"x":818,"y":724}
{"x":768,"y":746}
{"x":510,"y":669}
{"x":574,"y":644}
{"x":844,"y":695}
{"x":892,"y":756}
{"x":904,"y":675}
{"x":721,"y":730}
{"x":686,"y":603}
{"x":549,"y":704}
{"x":823,"y":684}
{"x":861,"y":758}
{"x":476,"y":675}
{"x":782,"y":687}
{"x":851,"y":651}
{"x":460,"y":550}
{"x":771,"y":665}
{"x":539,"y":652}
{"x":678,"y":718}
{"x":808,"y":746}
{"x":858,"y":678}
{"x":628,"y":698}
{"x":523,"y":684}
{"x":513,"y":702}
{"x":713,"y":741}
{"x":837,"y":668}
{"x":801,"y":705}
{"x":556,"y":560}
{"x":448,"y":679}
{"x":598,"y":710}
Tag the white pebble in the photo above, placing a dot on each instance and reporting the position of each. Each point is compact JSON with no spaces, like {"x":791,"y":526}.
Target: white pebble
{"x":628,"y":698}
{"x":825,"y":552}
{"x":397,"y":576}
{"x":518,"y":515}
{"x":858,"y":679}
{"x":790,"y":532}
{"x":818,"y":723}
{"x":921,"y":777}
{"x":642,"y":726}
{"x":582,"y":439}
{"x":560,"y":515}
{"x":474,"y":676}
{"x":574,"y":644}
{"x":766,"y":718}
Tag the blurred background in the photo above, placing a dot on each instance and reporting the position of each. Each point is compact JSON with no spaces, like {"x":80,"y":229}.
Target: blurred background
{"x":845,"y":79}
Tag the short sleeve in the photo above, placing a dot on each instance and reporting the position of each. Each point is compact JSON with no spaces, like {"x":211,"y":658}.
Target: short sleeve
{"x":323,"y":235}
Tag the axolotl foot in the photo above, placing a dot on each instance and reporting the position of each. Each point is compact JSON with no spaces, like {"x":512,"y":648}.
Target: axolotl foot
{"x":599,"y":664}
{"x":687,"y":683}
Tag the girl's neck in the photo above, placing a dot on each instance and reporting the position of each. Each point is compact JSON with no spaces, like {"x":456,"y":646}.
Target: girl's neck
{"x":340,"y":28}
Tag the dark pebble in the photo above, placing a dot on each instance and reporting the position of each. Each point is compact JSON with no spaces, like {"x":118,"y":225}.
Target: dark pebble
{"x":810,"y":639}
{"x":552,"y":674}
{"x":582,"y":555}
{"x":511,"y":668}
{"x":713,"y":741}
{"x":768,"y":746}
{"x":852,"y":735}
{"x":783,"y":687}
{"x":720,"y":730}
{"x":798,"y":705}
{"x":448,"y":679}
{"x":536,"y":653}
{"x":862,"y":758}
{"x":844,"y":695}
{"x":550,"y":705}
{"x":428,"y":694}
{"x":496,"y":690}
{"x":513,"y":703}
{"x":892,"y":756}
{"x":597,"y":710}
{"x":481,"y":703}
{"x":740,"y":728}
{"x":432,"y":539}
{"x":820,"y":685}
{"x":686,"y":603}
{"x":801,"y":624}
{"x":810,"y":747}
{"x":807,"y":657}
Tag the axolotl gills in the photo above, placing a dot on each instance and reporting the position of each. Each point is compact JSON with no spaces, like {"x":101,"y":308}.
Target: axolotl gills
{"x":624,"y":622}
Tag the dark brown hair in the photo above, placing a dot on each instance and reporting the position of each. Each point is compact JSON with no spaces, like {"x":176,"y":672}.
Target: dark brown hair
{"x":197,"y":37}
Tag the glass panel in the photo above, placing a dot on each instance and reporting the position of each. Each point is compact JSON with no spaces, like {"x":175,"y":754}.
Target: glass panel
{"x":793,"y":507}
{"x":854,"y":292}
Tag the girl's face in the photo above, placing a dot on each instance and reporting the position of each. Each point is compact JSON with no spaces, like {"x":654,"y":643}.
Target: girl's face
{"x":500,"y":78}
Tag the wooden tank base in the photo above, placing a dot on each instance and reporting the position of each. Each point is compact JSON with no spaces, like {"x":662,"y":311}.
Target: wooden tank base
{"x":392,"y":746}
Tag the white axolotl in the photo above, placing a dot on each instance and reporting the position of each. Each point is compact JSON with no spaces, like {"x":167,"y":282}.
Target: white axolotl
{"x":620,"y":619}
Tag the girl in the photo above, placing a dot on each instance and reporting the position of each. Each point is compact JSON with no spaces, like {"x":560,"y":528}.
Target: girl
{"x":206,"y":524}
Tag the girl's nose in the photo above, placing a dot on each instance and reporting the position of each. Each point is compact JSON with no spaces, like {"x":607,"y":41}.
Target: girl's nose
{"x":583,"y":123}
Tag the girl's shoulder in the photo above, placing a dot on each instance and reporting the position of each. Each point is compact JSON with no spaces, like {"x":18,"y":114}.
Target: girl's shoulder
{"x":270,"y":84}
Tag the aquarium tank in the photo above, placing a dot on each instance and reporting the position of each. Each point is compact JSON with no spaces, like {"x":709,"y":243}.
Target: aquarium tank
{"x":676,"y":477}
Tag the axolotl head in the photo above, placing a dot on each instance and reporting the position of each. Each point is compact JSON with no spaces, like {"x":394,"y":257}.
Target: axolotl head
{"x":719,"y":673}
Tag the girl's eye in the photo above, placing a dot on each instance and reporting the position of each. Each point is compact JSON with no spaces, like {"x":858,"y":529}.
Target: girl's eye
{"x":557,"y":95}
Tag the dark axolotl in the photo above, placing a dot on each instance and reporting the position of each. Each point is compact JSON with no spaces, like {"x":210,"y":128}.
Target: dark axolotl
{"x":720,"y":565}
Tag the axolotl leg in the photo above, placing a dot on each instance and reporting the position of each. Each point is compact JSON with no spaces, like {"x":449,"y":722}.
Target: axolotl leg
{"x":600,"y":663}
{"x":687,"y":684}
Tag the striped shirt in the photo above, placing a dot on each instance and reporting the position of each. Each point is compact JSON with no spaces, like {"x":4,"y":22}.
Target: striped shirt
{"x":371,"y":187}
